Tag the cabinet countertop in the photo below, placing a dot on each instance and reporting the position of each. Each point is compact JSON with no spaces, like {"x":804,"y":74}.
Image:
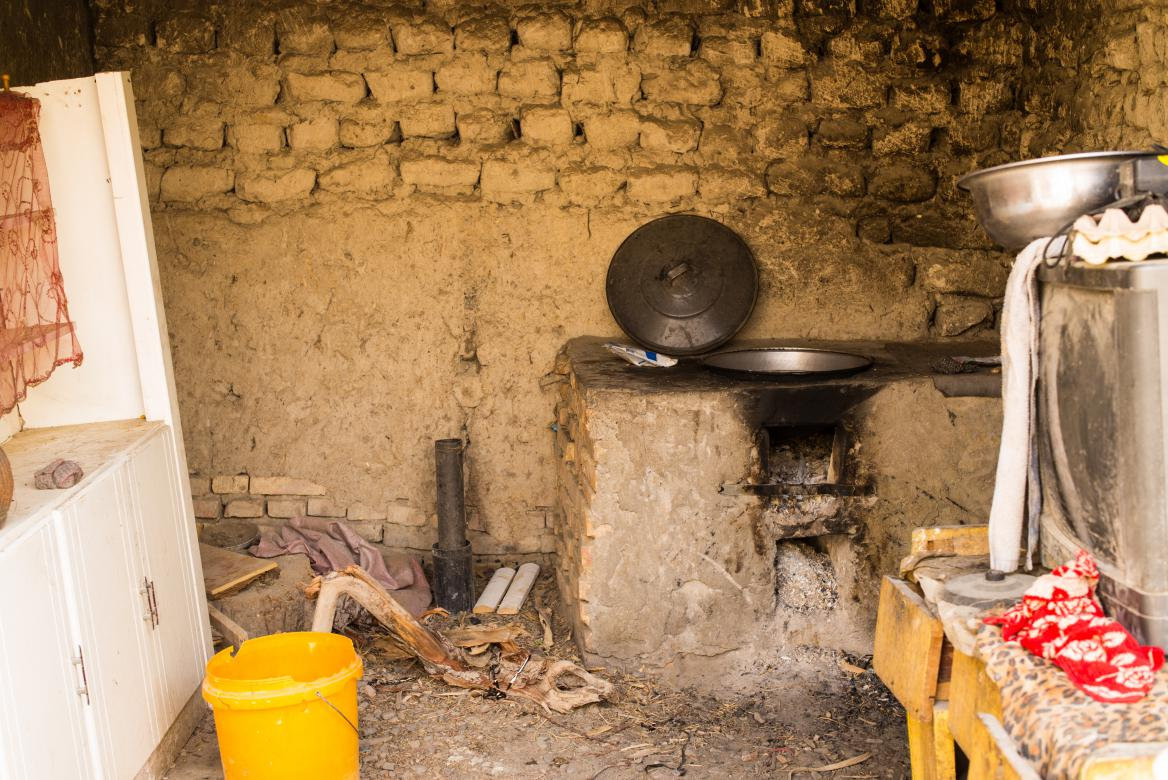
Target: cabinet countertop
{"x":95,"y":446}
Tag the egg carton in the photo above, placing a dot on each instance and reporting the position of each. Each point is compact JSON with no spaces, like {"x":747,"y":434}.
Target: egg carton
{"x":1113,"y":236}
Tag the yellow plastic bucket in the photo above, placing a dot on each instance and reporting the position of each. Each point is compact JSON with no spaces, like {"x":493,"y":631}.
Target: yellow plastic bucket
{"x":286,"y":707}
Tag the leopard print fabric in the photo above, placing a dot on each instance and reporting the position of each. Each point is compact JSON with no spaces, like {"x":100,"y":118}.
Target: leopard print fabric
{"x":1056,"y":726}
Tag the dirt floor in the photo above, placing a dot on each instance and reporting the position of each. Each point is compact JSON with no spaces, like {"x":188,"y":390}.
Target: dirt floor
{"x":842,"y":725}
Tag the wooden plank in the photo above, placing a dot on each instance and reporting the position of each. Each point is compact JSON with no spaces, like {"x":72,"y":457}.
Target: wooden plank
{"x":232,"y":633}
{"x":922,"y":760}
{"x":1010,"y":764}
{"x":520,"y":586}
{"x":1122,"y":761}
{"x":951,"y":540}
{"x":973,"y":696}
{"x":225,"y":572}
{"x":907,"y":653}
{"x":963,"y":700}
{"x":945,"y":540}
{"x":493,"y":593}
{"x":944,"y":751}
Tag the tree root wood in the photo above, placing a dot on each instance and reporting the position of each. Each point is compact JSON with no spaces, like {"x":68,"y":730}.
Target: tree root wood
{"x":517,"y":674}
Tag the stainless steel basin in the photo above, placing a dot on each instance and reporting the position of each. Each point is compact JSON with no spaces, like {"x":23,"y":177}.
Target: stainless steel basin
{"x":1022,"y":201}
{"x":787,"y":361}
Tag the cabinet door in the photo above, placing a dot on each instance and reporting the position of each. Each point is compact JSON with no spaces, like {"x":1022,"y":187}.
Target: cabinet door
{"x":107,"y":582}
{"x":165,"y":541}
{"x":42,"y":723}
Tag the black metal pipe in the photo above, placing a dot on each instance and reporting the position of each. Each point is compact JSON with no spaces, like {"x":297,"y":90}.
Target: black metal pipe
{"x":451,"y":508}
{"x":453,"y":572}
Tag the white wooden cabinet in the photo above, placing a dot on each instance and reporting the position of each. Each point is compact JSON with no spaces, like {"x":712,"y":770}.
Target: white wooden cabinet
{"x":103,"y":628}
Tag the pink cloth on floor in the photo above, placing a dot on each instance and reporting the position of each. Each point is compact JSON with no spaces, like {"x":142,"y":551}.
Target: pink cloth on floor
{"x":331,"y":545}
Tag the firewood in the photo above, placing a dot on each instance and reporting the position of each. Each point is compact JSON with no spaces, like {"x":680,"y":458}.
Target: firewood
{"x":520,"y":674}
{"x":520,"y":586}
{"x":493,"y":593}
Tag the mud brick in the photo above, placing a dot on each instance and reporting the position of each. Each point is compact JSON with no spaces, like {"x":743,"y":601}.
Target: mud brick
{"x":602,"y":36}
{"x":545,"y":32}
{"x":256,"y":139}
{"x":437,"y":174}
{"x":205,"y":134}
{"x":678,"y":136}
{"x":367,"y":178}
{"x":483,"y":126}
{"x":423,"y":36}
{"x":489,"y":34}
{"x":244,"y":507}
{"x":272,"y":187}
{"x":185,"y":33}
{"x":400,"y":82}
{"x":547,"y":127}
{"x":505,"y":182}
{"x":335,"y":86}
{"x":191,"y":182}
{"x":285,"y":507}
{"x":427,"y":120}
{"x":536,"y":78}
{"x":316,"y":135}
{"x":695,"y":83}
{"x":668,"y":37}
{"x":662,"y":185}
{"x":468,"y":73}
{"x":613,"y":130}
{"x":588,"y":186}
{"x":302,"y":33}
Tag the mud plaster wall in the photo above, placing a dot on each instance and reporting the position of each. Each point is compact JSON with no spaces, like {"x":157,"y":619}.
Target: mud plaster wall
{"x":377,"y":224}
{"x":42,"y":40}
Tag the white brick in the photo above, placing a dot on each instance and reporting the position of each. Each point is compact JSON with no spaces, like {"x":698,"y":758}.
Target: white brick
{"x":325,"y":507}
{"x":285,"y":486}
{"x":244,"y":507}
{"x":285,"y":507}
{"x":361,"y":511}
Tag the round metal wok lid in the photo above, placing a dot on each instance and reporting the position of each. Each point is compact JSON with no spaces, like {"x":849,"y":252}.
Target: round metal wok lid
{"x":682,"y":284}
{"x":787,"y":361}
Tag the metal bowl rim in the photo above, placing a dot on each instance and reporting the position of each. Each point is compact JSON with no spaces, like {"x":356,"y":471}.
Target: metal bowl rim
{"x":864,"y":360}
{"x":965,"y":181}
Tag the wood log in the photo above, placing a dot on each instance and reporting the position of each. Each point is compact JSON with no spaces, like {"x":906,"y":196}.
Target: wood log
{"x":519,"y":674}
{"x":438,"y":657}
{"x":232,"y":632}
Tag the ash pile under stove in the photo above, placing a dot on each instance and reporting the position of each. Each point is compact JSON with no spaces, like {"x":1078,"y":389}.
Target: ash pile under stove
{"x":713,"y":528}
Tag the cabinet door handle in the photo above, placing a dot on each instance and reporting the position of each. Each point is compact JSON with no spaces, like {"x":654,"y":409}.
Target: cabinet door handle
{"x":153,"y":604}
{"x":147,"y":592}
{"x":144,"y":592}
{"x":79,"y":663}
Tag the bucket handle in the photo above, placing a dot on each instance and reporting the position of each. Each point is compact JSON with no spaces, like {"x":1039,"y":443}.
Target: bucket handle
{"x":320,"y":696}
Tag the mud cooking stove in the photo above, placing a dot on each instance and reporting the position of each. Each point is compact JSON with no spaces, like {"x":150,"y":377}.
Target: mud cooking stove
{"x":716,"y":530}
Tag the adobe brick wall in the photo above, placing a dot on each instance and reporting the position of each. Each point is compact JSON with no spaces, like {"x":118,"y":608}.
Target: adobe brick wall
{"x":378,"y":223}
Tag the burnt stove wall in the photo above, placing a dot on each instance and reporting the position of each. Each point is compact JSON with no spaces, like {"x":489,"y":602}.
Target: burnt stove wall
{"x":377,"y":222}
{"x":663,"y":567}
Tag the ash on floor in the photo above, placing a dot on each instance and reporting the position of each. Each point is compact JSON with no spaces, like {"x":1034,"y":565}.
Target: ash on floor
{"x":415,"y":726}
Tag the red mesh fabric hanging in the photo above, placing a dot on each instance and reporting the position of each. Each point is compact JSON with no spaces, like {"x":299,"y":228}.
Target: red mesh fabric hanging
{"x":36,"y":334}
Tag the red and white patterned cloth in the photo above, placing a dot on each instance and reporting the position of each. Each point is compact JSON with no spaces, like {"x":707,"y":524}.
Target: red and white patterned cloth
{"x":1060,"y":619}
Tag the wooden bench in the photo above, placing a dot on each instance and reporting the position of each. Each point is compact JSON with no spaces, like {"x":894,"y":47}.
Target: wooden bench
{"x":949,"y":699}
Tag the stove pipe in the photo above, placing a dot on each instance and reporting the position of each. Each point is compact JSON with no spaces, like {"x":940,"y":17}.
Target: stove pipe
{"x":453,"y":575}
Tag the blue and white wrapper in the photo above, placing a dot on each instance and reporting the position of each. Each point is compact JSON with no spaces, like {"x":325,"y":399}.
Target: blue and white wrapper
{"x":641,"y":358}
